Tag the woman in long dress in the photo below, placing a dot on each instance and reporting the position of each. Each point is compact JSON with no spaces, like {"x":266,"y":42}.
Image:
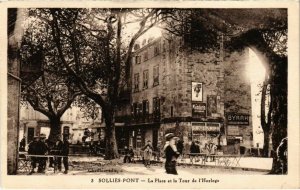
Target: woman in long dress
{"x":171,"y":154}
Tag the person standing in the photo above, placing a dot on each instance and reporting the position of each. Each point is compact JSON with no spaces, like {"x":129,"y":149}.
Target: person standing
{"x":65,"y":154}
{"x":42,"y":150}
{"x":171,"y":154}
{"x":194,"y":150}
{"x":179,"y":146}
{"x":147,"y":155}
{"x":148,"y":150}
{"x":206,"y":152}
{"x":58,"y":152}
{"x":32,"y":150}
{"x":129,"y":154}
{"x":50,"y":146}
{"x":22,"y":144}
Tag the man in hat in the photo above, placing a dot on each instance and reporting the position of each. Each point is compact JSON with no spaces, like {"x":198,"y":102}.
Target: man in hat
{"x":65,"y":153}
{"x":42,"y":149}
{"x":57,"y":150}
{"x":171,"y":154}
{"x":32,"y":150}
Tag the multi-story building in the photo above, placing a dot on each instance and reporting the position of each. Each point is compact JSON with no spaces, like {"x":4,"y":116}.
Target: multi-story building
{"x":197,"y":96}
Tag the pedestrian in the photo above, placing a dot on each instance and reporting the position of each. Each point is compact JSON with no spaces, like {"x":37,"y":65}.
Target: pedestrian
{"x":282,"y":154}
{"x":50,"y":146}
{"x":92,"y":147}
{"x":179,"y":146}
{"x":22,"y":144}
{"x":42,"y":149}
{"x":65,"y":154}
{"x":148,"y":150}
{"x":129,"y":154}
{"x":194,"y":151}
{"x":57,"y":151}
{"x":32,"y":150}
{"x":212,"y":148}
{"x":205,"y":151}
{"x":171,"y":154}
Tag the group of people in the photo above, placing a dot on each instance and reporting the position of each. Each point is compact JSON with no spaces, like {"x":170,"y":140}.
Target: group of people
{"x":208,"y":149}
{"x":173,"y":149}
{"x":147,"y":154}
{"x":40,"y":147}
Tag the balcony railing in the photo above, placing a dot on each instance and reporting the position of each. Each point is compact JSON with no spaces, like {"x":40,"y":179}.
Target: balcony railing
{"x":138,"y":119}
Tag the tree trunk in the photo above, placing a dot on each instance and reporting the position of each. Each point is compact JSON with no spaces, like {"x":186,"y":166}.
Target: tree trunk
{"x":266,"y":143}
{"x":265,"y":125}
{"x":55,"y":129}
{"x":279,"y":113}
{"x":111,"y":148}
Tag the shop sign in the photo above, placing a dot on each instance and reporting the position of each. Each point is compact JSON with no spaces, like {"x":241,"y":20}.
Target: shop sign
{"x":233,"y":130}
{"x":199,"y":109}
{"x":237,"y":119}
{"x":202,"y":127}
{"x":213,"y":127}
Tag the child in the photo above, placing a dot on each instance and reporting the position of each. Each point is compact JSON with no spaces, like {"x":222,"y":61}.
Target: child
{"x":147,"y":155}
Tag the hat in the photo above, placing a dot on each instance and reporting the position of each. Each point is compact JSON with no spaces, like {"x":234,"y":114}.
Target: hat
{"x":42,"y":135}
{"x":169,"y":136}
{"x":35,"y":137}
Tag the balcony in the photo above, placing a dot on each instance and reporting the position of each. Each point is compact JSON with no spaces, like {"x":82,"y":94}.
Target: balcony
{"x":139,"y":119}
{"x":124,"y":96}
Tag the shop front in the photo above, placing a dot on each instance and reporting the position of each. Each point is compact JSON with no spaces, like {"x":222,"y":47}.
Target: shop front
{"x":137,"y":136}
{"x":206,"y":132}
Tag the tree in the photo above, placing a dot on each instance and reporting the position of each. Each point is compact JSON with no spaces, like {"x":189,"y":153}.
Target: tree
{"x":96,"y":51}
{"x":52,"y":92}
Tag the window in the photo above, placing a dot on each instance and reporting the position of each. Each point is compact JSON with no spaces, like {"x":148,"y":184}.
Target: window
{"x":138,"y":59}
{"x":145,"y":107}
{"x":134,"y":109}
{"x":140,"y":109}
{"x":156,"y":108}
{"x":136,"y":82}
{"x":145,"y":79}
{"x":146,"y":56}
{"x":156,"y":50}
{"x":66,"y":132}
{"x":155,"y":76}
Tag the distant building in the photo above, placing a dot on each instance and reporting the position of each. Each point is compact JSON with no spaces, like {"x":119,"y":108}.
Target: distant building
{"x":198,"y":96}
{"x":72,"y":124}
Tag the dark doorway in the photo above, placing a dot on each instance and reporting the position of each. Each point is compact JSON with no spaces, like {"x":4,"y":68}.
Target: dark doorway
{"x":30,"y":134}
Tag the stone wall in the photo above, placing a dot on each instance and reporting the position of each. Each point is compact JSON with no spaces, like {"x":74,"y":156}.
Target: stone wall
{"x":13,"y":93}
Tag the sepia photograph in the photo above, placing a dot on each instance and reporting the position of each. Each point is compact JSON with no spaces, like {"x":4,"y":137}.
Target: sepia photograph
{"x":147,"y":92}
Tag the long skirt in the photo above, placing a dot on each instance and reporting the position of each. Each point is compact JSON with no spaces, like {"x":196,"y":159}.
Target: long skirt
{"x":170,"y":167}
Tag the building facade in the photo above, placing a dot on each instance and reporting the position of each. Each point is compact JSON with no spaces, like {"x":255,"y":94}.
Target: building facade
{"x":73,"y":124}
{"x":203,"y":97}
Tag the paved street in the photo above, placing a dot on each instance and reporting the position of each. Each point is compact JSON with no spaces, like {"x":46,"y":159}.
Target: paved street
{"x":97,"y":166}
